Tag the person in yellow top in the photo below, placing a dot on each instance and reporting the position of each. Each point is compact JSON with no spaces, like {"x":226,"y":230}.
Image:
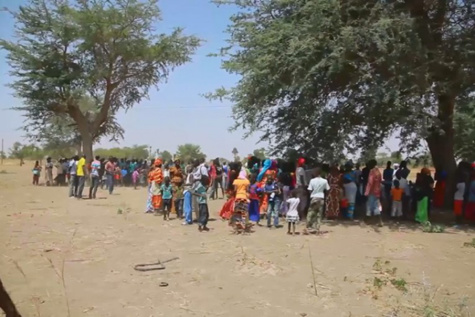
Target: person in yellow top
{"x":241,"y":188}
{"x":81,"y":175}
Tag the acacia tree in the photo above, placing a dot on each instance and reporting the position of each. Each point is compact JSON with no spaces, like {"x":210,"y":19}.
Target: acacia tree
{"x":324,"y":76}
{"x":104,"y":49}
{"x":189,"y":152}
{"x":62,"y":132}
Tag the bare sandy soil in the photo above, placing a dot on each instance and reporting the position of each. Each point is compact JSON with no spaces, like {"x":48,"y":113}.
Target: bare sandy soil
{"x":59,"y":254}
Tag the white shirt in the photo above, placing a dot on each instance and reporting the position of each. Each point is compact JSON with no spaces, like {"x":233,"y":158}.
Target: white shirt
{"x":317,"y":187}
{"x":293,"y":205}
{"x":200,"y":170}
{"x":300,"y":173}
{"x":204,"y":170}
{"x":72,"y":167}
{"x":460,"y":191}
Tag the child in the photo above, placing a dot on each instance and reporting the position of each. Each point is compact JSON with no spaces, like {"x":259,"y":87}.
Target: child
{"x":292,"y":215}
{"x":178,"y":190}
{"x":167,"y":195}
{"x":200,"y":191}
{"x":397,"y":194}
{"x":272,"y":192}
{"x":36,"y":173}
{"x":187,"y":205}
{"x":135,"y":177}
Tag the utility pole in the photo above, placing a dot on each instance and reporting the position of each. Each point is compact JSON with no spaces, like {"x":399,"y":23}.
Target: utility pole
{"x":3,"y":153}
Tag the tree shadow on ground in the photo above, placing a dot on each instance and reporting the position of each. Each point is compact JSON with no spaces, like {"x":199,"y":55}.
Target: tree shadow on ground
{"x":398,"y":225}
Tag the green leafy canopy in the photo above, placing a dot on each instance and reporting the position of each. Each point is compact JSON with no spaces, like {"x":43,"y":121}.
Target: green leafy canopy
{"x":108,"y":50}
{"x":327,"y":77}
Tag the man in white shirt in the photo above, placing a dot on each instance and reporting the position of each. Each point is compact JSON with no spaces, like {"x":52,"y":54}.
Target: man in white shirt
{"x":317,"y":188}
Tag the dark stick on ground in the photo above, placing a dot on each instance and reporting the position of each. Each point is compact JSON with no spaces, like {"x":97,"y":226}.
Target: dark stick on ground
{"x":6,"y":303}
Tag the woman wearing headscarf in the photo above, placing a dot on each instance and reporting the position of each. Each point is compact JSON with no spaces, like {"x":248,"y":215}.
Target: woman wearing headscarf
{"x":266,"y":171}
{"x":156,"y":183}
{"x":334,"y":194}
{"x":228,"y":207}
{"x":423,"y":193}
{"x":241,"y":204}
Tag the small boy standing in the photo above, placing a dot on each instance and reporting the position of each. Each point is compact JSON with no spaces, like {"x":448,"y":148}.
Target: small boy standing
{"x":188,"y":205}
{"x":272,"y":191}
{"x":203,"y":213}
{"x":167,"y":195}
{"x":178,"y":190}
{"x":397,"y":194}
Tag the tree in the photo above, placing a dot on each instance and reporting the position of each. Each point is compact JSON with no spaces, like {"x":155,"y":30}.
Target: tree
{"x":166,"y":156}
{"x":30,"y":151}
{"x":139,"y":152}
{"x":330,"y":75}
{"x":16,"y":151}
{"x":189,"y":152}
{"x":260,"y":153}
{"x":60,"y":133}
{"x":465,"y":131}
{"x":103,"y":49}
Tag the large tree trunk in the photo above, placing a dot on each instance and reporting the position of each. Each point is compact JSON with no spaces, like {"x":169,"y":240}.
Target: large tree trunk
{"x":441,"y":145}
{"x":6,"y":303}
{"x":84,"y":129}
{"x":87,"y":146}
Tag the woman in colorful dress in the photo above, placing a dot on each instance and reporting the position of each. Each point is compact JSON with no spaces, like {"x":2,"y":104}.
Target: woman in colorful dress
{"x":176,"y":177}
{"x":373,"y":191}
{"x":266,"y":171}
{"x":239,"y":219}
{"x":334,"y":194}
{"x":228,"y":207}
{"x":157,"y":179}
{"x":423,"y":193}
{"x":439,"y":191}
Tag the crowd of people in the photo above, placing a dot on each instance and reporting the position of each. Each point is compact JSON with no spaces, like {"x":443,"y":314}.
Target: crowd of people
{"x":298,"y":191}
{"x":270,"y":189}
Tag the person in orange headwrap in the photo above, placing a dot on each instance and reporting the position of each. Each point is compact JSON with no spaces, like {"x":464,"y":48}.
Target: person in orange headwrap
{"x":156,"y":179}
{"x":176,"y":177}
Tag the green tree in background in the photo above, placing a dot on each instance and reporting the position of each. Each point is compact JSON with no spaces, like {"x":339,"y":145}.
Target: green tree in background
{"x":103,"y":49}
{"x":465,"y":131}
{"x":260,"y":153}
{"x":133,"y":152}
{"x":189,"y":152}
{"x":166,"y":156}
{"x":29,"y":151}
{"x":61,"y":132}
{"x":333,"y":76}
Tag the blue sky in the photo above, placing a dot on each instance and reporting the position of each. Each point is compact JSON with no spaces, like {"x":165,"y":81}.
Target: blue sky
{"x":175,"y":114}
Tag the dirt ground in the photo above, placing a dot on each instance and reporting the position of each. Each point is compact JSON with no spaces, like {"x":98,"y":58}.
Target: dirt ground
{"x":59,"y":254}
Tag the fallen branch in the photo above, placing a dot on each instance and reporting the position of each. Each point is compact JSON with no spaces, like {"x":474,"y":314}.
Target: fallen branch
{"x":6,"y":303}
